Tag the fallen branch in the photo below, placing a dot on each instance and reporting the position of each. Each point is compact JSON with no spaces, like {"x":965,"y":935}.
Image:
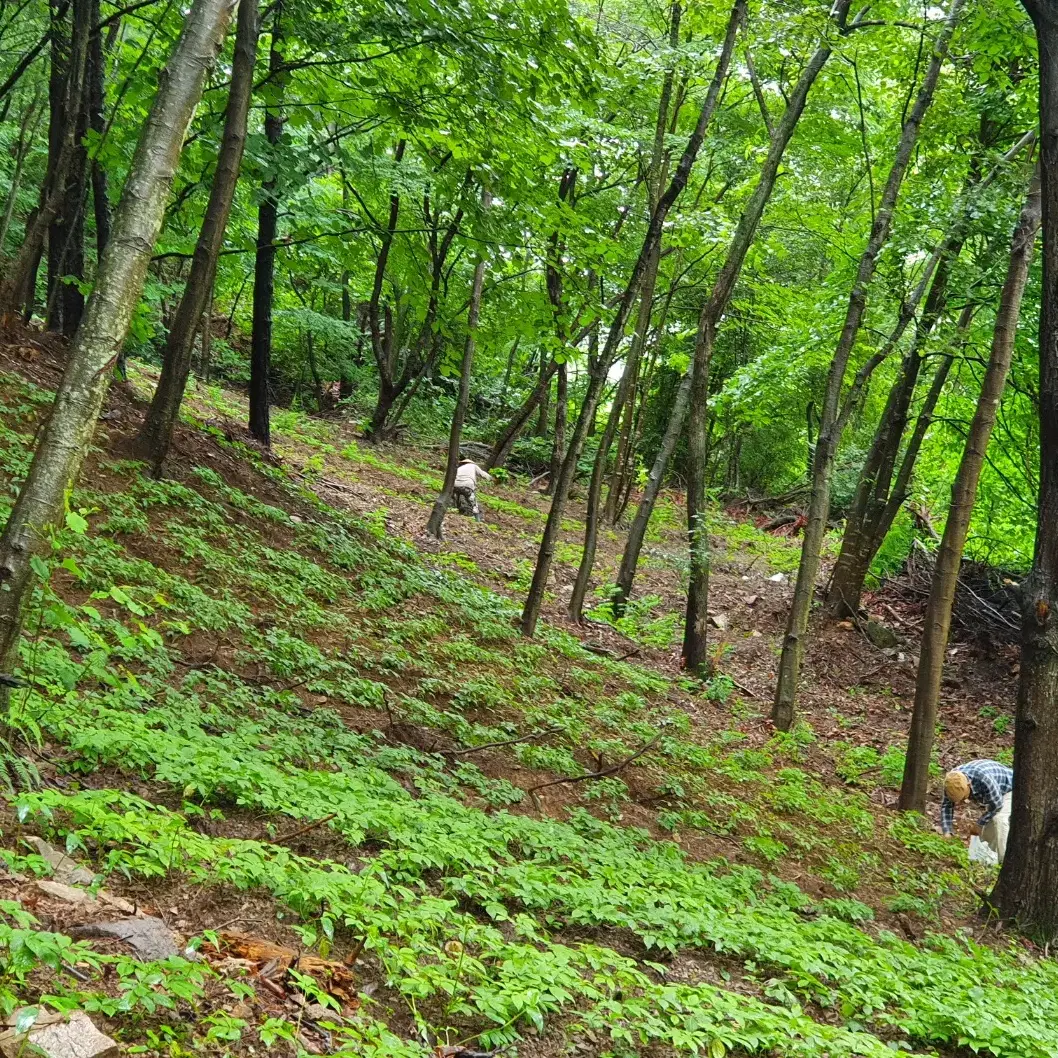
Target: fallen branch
{"x":302,"y":830}
{"x":612,"y":770}
{"x":497,"y":745}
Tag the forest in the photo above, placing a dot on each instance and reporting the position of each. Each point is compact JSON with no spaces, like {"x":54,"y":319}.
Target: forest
{"x":523,"y":523}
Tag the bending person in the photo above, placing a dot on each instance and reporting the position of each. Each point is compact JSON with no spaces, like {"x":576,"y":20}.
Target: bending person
{"x":989,"y":784}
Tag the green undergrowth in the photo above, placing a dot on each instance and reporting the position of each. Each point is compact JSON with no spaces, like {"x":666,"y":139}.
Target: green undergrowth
{"x":199,"y":638}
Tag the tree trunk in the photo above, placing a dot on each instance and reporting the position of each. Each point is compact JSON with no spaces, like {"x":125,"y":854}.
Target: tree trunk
{"x":26,"y":133}
{"x":695,"y":641}
{"x":437,"y":516}
{"x":873,"y":487}
{"x":597,"y":380}
{"x":964,"y":491}
{"x":264,"y":278}
{"x":558,"y":449}
{"x":383,"y":341}
{"x":65,"y":438}
{"x":502,"y":449}
{"x":157,"y":432}
{"x":544,"y":404}
{"x":829,"y":430}
{"x":877,"y":501}
{"x":17,"y":276}
{"x":637,"y":533}
{"x":61,"y":122}
{"x":96,"y":74}
{"x":72,"y":227}
{"x":1027,"y":892}
{"x":602,"y":454}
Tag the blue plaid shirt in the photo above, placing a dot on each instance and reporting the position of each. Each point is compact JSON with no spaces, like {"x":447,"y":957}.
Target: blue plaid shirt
{"x":990,"y":782}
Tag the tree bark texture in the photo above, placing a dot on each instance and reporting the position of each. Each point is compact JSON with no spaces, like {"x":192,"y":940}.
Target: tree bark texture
{"x":96,"y":74}
{"x":1027,"y":891}
{"x":435,"y":524}
{"x":829,"y":431}
{"x":65,"y":438}
{"x":597,"y":380}
{"x":963,"y":494}
{"x":157,"y":432}
{"x":264,"y":277}
{"x":558,"y":449}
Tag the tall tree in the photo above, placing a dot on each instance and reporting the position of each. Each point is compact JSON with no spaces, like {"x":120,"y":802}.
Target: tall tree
{"x":157,"y":432}
{"x":946,"y":570}
{"x":831,"y":420}
{"x":455,"y":437}
{"x":695,"y":655}
{"x":264,"y":276}
{"x":1027,"y":891}
{"x":597,"y":378}
{"x":878,"y":496}
{"x":65,"y":439}
{"x":19,"y":273}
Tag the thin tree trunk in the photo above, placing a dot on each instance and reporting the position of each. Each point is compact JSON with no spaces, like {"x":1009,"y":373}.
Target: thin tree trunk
{"x":558,"y":449}
{"x":62,"y":122}
{"x":435,"y":524}
{"x":157,"y":432}
{"x":695,"y":617}
{"x":638,"y":531}
{"x":876,"y":502}
{"x":881,"y":507}
{"x":383,"y":342}
{"x":65,"y":438}
{"x":873,"y":486}
{"x":544,"y":404}
{"x":502,"y":449}
{"x":829,"y":421}
{"x":598,"y":470}
{"x":264,"y":278}
{"x":651,"y":240}
{"x":96,"y":74}
{"x":1027,"y":891}
{"x":206,"y":334}
{"x":72,"y":228}
{"x":17,"y":276}
{"x":26,"y":133}
{"x":964,"y":491}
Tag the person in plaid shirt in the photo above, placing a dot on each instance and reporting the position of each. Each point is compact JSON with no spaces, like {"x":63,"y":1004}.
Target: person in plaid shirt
{"x":989,"y":784}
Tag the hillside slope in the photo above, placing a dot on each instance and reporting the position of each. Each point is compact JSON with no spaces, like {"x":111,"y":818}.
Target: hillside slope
{"x":260,"y":710}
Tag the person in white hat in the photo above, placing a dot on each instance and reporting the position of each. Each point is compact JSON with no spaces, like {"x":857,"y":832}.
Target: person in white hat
{"x":465,"y":490}
{"x":988,"y":784}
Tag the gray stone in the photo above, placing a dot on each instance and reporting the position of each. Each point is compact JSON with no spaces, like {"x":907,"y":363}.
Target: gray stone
{"x":57,"y":1036}
{"x":778,"y":578}
{"x":66,"y":868}
{"x":66,"y":893}
{"x":719,"y":620}
{"x":149,"y":937}
{"x":881,"y":635}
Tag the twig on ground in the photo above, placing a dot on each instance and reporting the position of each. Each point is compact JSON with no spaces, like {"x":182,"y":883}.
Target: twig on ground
{"x":602,"y":774}
{"x":497,"y":745}
{"x":301,"y":830}
{"x":741,"y":686}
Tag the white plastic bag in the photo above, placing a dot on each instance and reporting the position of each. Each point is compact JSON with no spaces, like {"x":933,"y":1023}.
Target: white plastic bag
{"x":981,"y":852}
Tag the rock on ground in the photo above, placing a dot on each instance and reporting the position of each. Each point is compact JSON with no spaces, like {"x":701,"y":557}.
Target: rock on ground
{"x":57,"y":1036}
{"x":149,"y":937}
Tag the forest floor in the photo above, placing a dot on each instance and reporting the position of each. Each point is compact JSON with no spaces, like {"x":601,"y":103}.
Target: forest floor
{"x":269,"y":712}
